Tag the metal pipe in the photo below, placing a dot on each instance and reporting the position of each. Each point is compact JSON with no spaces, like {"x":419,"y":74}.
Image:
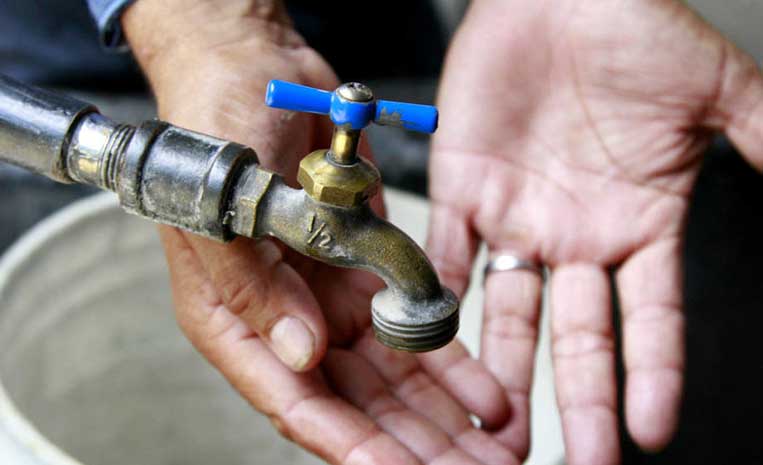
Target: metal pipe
{"x":344,"y":146}
{"x":36,"y":127}
{"x":160,"y":172}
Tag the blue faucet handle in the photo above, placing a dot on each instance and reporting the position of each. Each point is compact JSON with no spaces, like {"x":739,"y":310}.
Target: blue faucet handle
{"x":351,"y":104}
{"x":410,"y":116}
{"x":296,"y":97}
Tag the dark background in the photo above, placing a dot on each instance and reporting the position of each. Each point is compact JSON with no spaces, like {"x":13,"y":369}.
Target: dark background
{"x":399,"y":52}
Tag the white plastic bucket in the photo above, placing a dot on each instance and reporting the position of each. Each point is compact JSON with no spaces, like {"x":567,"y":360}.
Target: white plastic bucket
{"x":93,"y":370}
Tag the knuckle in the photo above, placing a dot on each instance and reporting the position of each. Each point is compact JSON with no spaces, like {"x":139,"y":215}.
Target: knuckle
{"x":511,"y":326}
{"x":241,"y":295}
{"x":582,"y":342}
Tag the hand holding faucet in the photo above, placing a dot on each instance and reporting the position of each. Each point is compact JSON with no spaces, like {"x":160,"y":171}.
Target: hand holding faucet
{"x":317,"y":370}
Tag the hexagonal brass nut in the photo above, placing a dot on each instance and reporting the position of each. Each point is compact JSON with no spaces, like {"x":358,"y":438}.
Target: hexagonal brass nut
{"x":344,"y":186}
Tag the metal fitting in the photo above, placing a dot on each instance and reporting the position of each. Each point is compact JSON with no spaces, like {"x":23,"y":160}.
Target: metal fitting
{"x":161,"y":172}
{"x":344,"y":146}
{"x":349,"y":102}
{"x":340,"y":185}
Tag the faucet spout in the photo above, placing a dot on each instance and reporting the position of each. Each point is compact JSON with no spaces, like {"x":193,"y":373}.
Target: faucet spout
{"x":414,"y":313}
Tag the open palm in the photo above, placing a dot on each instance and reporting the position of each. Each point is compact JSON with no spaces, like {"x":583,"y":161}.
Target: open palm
{"x":572,"y":133}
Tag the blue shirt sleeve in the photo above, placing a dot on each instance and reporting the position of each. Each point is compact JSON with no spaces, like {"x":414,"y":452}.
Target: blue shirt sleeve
{"x":106,"y":14}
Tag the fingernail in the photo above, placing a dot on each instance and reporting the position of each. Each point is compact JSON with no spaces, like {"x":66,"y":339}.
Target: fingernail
{"x":292,"y":342}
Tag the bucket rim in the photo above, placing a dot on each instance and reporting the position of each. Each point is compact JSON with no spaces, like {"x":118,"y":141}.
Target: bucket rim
{"x":26,"y":438}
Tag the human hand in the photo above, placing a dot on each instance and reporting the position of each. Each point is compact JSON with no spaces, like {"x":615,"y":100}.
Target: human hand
{"x":572,"y":133}
{"x":291,"y":334}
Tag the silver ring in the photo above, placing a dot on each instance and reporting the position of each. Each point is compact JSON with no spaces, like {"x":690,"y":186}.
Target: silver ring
{"x":511,"y":263}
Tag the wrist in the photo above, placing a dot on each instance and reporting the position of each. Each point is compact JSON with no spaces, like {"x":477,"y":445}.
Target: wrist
{"x":169,"y":36}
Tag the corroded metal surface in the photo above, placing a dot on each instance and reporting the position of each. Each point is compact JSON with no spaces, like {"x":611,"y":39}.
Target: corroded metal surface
{"x":413,"y":313}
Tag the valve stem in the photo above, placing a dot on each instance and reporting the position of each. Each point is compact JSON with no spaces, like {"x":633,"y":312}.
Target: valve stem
{"x":344,"y":146}
{"x":344,"y":143}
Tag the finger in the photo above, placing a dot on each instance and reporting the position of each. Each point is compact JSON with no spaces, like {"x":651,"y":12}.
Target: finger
{"x":451,"y":246}
{"x":509,"y":337}
{"x":584,"y":363}
{"x":649,"y":285}
{"x":452,"y":366}
{"x":469,"y":382}
{"x":418,"y":392}
{"x":738,"y":108}
{"x":300,"y":405}
{"x":463,"y":377}
{"x":254,"y":283}
{"x":357,"y":381}
{"x":402,"y":372}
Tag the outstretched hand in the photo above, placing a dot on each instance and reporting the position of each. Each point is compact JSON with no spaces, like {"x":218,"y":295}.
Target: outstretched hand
{"x":293,"y":335}
{"x":572,"y":133}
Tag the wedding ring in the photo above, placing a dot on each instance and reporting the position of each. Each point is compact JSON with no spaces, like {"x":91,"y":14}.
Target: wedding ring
{"x":506,"y":262}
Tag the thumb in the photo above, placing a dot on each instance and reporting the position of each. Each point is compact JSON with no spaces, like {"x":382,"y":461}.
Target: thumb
{"x":249,"y":282}
{"x":739,"y":107}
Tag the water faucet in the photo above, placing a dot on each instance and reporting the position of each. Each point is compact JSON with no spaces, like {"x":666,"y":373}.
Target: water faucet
{"x":218,"y":189}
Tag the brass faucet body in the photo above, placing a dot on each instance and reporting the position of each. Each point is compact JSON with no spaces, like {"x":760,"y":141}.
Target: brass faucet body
{"x":414,"y":313}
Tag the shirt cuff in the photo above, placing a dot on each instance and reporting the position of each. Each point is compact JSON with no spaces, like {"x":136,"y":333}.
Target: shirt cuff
{"x":107,"y":14}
